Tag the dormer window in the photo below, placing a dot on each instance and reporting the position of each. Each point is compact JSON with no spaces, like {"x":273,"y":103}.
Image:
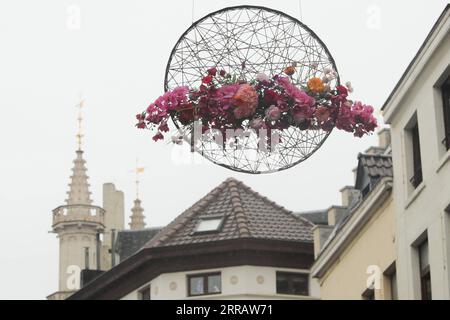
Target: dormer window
{"x":209,"y":224}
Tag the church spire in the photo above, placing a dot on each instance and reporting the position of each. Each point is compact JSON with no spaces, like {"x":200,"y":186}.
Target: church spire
{"x":137,"y":217}
{"x":79,"y":187}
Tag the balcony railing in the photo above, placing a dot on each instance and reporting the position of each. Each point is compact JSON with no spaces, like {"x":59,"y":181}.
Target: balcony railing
{"x":79,"y":212}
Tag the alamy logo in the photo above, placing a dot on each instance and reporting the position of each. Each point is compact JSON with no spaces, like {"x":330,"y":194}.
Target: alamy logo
{"x":73,"y":280}
{"x":73,"y":21}
{"x":374,"y":279}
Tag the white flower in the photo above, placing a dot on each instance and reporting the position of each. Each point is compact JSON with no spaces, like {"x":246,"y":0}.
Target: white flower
{"x":261,"y":77}
{"x":177,"y":140}
{"x":327,"y":70}
{"x":349,"y":86}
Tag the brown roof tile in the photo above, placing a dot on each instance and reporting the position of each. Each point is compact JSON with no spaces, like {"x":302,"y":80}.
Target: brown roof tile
{"x":247,"y":215}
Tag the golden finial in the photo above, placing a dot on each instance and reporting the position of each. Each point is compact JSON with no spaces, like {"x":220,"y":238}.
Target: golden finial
{"x":138,"y":170}
{"x":80,"y":135}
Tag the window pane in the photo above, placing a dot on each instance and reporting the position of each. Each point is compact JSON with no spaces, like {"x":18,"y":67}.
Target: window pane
{"x":144,"y":294}
{"x":214,"y":284}
{"x":423,"y":256}
{"x":417,"y":160}
{"x":426,"y":287}
{"x":208,"y":225}
{"x":196,"y":285}
{"x":292,"y":283}
{"x":394,"y":290}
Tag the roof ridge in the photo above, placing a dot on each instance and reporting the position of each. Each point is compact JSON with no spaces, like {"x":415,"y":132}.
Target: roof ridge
{"x":274,"y":204}
{"x":362,"y":154}
{"x":185,"y":216}
{"x":238,"y":210}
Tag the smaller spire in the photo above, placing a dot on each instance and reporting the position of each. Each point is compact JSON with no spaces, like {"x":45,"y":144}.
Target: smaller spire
{"x":137,"y":216}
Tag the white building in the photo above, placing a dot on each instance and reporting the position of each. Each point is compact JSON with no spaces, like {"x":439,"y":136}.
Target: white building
{"x":84,"y":230}
{"x":231,"y":244}
{"x":418,"y":111}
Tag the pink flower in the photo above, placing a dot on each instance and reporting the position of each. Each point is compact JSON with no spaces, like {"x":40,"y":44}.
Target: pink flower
{"x":163,"y":127}
{"x":262,"y":77}
{"x":299,"y":96}
{"x":245,"y":101}
{"x":158,"y":136}
{"x":322,"y":114}
{"x":212,"y":72}
{"x":273,"y":113}
{"x":257,"y":123}
{"x":207,"y":79}
{"x":222,"y":73}
{"x":224,"y":95}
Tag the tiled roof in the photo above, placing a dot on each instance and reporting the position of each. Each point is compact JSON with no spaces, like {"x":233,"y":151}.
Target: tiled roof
{"x":376,"y":165}
{"x":317,"y":216}
{"x":130,"y":241}
{"x":247,"y":215}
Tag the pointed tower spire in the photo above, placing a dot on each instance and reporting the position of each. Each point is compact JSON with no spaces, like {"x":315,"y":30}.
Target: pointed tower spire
{"x":78,"y":225}
{"x":137,"y":217}
{"x":79,"y":187}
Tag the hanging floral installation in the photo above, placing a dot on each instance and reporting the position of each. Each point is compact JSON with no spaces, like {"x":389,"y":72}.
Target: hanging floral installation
{"x":254,"y":90}
{"x":224,"y":102}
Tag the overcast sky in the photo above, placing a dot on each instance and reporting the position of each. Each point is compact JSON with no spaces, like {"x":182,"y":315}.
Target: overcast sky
{"x":116,"y":59}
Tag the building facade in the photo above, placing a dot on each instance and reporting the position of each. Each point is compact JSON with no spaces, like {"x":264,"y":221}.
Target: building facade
{"x":231,"y":244}
{"x":355,"y":243}
{"x":418,"y":111}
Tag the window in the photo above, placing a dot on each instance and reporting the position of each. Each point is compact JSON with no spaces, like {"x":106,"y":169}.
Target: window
{"x":394,"y":288}
{"x":203,"y":284}
{"x":425,"y":276}
{"x":417,"y":177}
{"x":292,"y":283}
{"x":209,"y":224}
{"x":446,"y":105}
{"x":144,"y":293}
{"x":390,"y":275}
{"x":369,"y":294}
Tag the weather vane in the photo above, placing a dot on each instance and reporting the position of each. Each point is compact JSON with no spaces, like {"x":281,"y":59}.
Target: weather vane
{"x":138,"y":170}
{"x":79,"y":136}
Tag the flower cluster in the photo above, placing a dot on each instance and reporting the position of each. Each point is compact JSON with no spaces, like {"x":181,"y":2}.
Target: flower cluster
{"x":225,"y":102}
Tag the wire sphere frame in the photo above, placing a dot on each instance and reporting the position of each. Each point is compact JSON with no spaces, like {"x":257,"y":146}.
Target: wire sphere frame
{"x":188,"y":66}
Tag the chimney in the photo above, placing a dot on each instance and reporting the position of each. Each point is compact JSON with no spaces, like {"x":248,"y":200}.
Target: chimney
{"x":320,"y":235}
{"x":384,"y":138}
{"x":350,"y":196}
{"x":335,"y":214}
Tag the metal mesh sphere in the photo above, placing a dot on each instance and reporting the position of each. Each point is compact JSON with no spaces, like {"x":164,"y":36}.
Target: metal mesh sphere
{"x":245,"y":41}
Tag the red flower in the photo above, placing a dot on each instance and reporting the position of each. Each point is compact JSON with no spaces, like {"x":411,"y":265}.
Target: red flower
{"x":158,"y":136}
{"x":342,"y":90}
{"x":186,"y":114}
{"x":270,"y":97}
{"x":163,"y":127}
{"x":222,"y":73}
{"x":207,"y":79}
{"x":212,"y":72}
